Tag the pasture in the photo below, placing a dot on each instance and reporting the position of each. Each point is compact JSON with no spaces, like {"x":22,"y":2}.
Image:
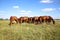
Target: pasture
{"x":27,"y":31}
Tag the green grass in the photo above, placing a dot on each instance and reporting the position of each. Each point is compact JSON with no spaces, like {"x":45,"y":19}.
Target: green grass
{"x":27,"y":31}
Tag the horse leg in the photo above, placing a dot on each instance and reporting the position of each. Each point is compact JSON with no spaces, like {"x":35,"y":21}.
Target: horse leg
{"x":36,"y":22}
{"x":47,"y":21}
{"x":40,"y":21}
{"x":21,"y":21}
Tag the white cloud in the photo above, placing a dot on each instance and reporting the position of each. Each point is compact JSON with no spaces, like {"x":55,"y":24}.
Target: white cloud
{"x":46,"y":1}
{"x":48,"y":9}
{"x":29,"y":11}
{"x":25,"y":12}
{"x":15,"y":6}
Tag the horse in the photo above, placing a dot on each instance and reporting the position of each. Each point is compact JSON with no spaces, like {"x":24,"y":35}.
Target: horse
{"x":35,"y":19}
{"x":30,"y":20}
{"x":46,"y":19}
{"x":23,"y":19}
{"x":13,"y":18}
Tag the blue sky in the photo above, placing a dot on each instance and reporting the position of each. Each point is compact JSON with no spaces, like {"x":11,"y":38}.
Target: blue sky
{"x":29,"y":8}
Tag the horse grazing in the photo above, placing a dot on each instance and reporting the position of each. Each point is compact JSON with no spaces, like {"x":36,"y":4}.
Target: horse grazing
{"x":13,"y":18}
{"x":23,"y":19}
{"x":30,"y":20}
{"x":35,"y":19}
{"x":46,"y":19}
{"x":50,"y":19}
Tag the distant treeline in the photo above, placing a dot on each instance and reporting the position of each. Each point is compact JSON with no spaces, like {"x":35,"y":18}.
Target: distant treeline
{"x":4,"y":19}
{"x":56,"y":19}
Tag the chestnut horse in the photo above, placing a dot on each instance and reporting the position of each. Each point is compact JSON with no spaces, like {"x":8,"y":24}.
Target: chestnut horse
{"x":35,"y":19}
{"x":46,"y":19}
{"x":23,"y":19}
{"x":13,"y":18}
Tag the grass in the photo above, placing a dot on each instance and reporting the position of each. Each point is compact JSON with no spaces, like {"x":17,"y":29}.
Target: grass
{"x":27,"y":31}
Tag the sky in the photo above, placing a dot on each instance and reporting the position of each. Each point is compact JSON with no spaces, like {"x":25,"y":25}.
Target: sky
{"x":29,"y":8}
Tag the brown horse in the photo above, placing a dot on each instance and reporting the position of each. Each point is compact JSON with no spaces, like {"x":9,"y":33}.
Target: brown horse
{"x":13,"y":18}
{"x":35,"y":19}
{"x":23,"y":19}
{"x":46,"y":19}
{"x":30,"y":20}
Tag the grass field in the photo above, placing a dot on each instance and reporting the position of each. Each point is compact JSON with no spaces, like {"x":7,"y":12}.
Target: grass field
{"x":27,"y":31}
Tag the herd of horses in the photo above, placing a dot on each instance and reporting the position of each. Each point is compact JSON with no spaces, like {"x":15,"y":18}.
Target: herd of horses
{"x":35,"y":19}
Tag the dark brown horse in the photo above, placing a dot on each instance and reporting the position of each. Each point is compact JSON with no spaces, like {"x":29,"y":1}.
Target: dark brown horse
{"x":23,"y":19}
{"x":46,"y":19}
{"x":13,"y":18}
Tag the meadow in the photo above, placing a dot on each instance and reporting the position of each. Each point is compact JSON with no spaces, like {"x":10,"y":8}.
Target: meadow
{"x":27,"y":31}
